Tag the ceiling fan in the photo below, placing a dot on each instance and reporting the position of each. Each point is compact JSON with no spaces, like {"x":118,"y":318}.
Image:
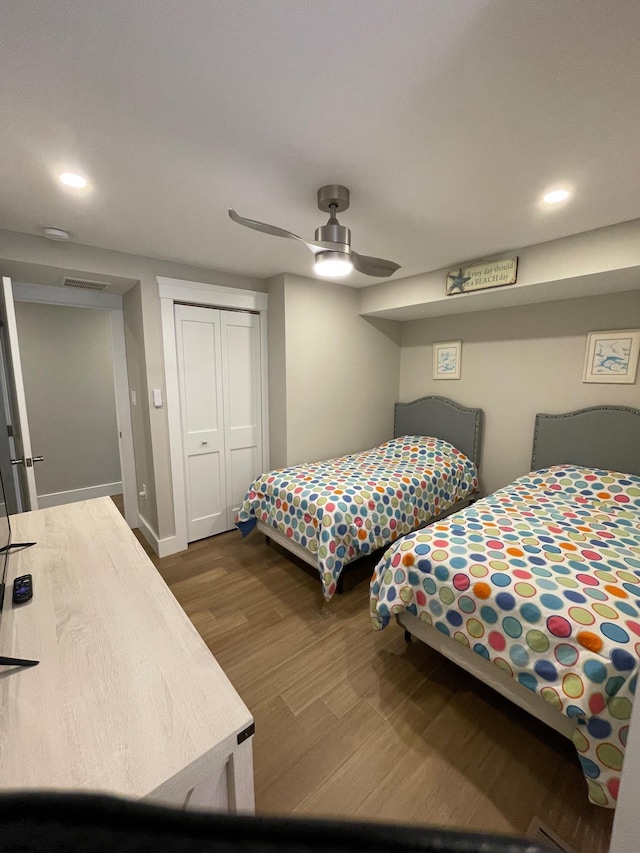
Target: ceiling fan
{"x":332,"y":244}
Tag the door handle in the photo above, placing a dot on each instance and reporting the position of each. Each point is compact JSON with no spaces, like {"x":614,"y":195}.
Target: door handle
{"x":28,"y":462}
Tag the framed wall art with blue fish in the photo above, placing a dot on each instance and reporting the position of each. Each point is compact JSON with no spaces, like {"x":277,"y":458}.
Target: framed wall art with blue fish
{"x":612,"y":356}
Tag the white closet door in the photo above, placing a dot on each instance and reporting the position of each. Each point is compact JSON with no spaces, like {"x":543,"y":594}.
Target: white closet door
{"x":242,"y":403}
{"x":199,"y":351}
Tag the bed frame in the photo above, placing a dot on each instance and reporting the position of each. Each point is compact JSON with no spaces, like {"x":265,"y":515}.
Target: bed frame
{"x":605,"y":437}
{"x":433,"y":416}
{"x":441,"y":418}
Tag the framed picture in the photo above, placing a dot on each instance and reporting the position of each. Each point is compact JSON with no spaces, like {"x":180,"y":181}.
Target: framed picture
{"x":612,"y":356}
{"x":446,"y":359}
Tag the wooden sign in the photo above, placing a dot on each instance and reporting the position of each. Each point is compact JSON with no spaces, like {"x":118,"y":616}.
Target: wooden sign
{"x":482,"y":275}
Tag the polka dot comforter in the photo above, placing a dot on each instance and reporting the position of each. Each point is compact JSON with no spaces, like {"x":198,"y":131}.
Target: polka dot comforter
{"x":342,"y":508}
{"x":543,"y":579}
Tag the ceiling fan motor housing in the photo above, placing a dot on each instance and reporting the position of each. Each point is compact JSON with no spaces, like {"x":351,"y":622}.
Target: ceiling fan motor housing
{"x":333,"y":232}
{"x":331,"y":199}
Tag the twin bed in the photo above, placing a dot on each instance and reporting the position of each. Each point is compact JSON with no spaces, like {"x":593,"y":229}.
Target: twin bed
{"x":535,"y":589}
{"x":331,"y":513}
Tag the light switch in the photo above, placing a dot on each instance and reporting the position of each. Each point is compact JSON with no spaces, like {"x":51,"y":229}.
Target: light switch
{"x":157,"y":398}
{"x":134,"y":399}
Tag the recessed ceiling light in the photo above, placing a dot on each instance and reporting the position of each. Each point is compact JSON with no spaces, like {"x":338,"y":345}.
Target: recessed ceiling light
{"x":555,"y":196}
{"x":55,"y":234}
{"x":73,"y":180}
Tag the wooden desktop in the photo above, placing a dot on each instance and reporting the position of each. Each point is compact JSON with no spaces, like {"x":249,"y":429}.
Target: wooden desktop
{"x":127,"y":698}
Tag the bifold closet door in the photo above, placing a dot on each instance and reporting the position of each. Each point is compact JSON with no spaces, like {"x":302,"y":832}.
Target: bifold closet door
{"x":242,"y":403}
{"x":218,"y":354}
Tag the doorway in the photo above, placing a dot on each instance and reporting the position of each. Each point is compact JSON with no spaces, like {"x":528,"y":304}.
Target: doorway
{"x":70,"y":396}
{"x":76,"y":389}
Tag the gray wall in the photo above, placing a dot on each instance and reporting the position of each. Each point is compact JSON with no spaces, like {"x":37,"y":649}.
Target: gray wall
{"x":67,"y":367}
{"x":341,"y":371}
{"x":336,"y":374}
{"x":140,"y":424}
{"x":151,"y":437}
{"x":606,"y":260}
{"x":277,"y":355}
{"x":516,"y":362}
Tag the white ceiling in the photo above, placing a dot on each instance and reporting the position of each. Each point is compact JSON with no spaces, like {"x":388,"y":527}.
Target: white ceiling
{"x":447,"y":119}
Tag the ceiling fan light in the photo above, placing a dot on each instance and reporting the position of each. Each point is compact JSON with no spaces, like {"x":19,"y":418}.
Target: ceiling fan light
{"x":333,"y":264}
{"x":556,"y":196}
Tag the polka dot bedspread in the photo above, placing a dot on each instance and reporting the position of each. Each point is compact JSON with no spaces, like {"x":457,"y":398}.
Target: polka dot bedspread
{"x":341,"y":508}
{"x":542,"y":578}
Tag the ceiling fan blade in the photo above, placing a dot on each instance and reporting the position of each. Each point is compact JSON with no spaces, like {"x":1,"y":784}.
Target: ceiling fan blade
{"x":373,"y":266}
{"x":274,"y":231}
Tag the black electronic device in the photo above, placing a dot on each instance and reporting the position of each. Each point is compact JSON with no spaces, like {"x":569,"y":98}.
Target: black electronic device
{"x":6,"y":546}
{"x":16,"y":546}
{"x":22,"y":589}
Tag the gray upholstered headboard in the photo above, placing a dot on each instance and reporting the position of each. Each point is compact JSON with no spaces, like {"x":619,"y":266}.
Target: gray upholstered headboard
{"x":598,"y":437}
{"x":441,"y":418}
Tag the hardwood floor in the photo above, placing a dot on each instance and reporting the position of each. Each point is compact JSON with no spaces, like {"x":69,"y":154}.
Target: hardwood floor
{"x":119,"y":502}
{"x":354,"y":723}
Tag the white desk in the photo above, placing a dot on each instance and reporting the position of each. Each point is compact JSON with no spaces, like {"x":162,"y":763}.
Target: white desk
{"x":126,"y":699}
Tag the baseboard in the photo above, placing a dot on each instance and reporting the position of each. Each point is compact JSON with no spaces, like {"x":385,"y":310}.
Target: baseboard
{"x":163,"y":547}
{"x":541,"y":832}
{"x":74,"y":495}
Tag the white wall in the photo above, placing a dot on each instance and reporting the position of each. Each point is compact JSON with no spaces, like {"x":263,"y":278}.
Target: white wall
{"x":517,"y":362}
{"x":67,"y":366}
{"x":341,"y":373}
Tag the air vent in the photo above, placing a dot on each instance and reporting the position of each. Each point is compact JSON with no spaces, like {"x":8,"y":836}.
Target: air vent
{"x":84,"y":283}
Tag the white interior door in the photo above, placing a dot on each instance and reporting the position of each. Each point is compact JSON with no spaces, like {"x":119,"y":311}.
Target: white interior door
{"x":242,"y":404}
{"x":199,"y":353}
{"x":22,"y":459}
